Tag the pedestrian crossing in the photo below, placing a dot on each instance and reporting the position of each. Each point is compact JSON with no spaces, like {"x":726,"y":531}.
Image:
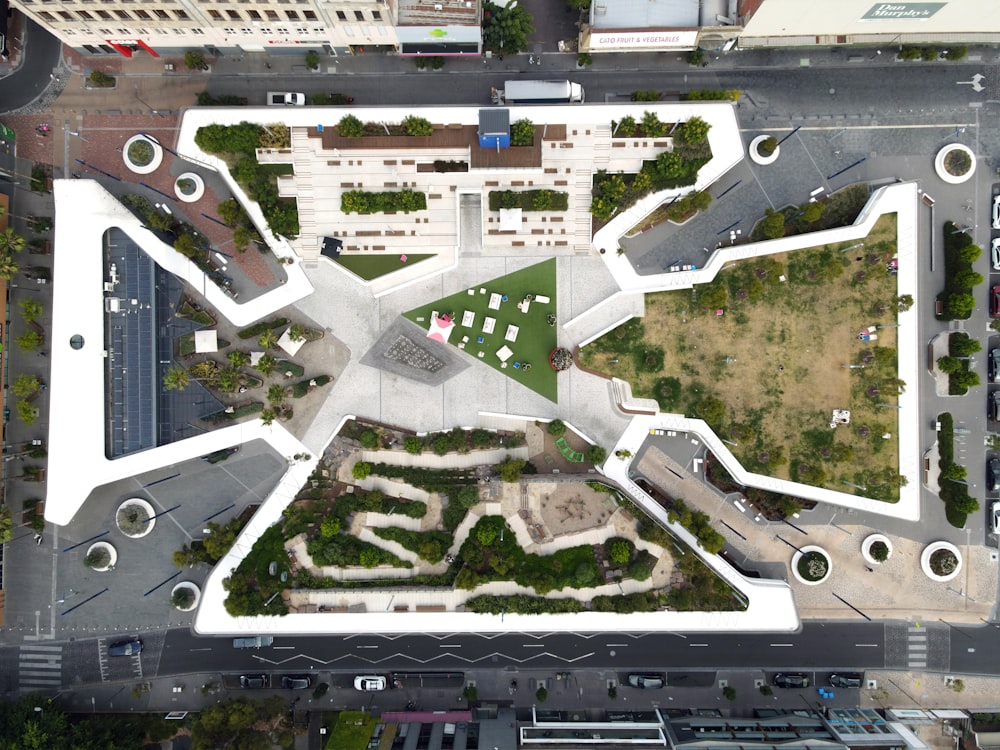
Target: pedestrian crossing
{"x":916,"y":647}
{"x":39,"y":666}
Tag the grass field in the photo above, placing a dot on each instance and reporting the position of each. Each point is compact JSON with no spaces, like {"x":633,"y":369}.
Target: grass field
{"x":536,"y":338}
{"x":769,"y":371}
{"x":370,"y":267}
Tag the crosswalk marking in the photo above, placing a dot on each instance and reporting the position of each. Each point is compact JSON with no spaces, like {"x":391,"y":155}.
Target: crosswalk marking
{"x":39,"y":666}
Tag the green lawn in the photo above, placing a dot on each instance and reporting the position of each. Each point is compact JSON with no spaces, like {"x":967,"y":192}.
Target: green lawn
{"x":536,"y":338}
{"x":370,"y":267}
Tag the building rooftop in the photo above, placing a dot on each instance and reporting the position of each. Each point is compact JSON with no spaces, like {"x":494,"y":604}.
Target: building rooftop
{"x":644,"y":14}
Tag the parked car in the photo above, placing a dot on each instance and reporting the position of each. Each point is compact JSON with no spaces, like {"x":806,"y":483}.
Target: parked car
{"x":253,"y":680}
{"x":995,"y":516}
{"x":790,"y":680}
{"x":296,"y":681}
{"x":993,"y":474}
{"x":995,"y":254}
{"x":846,"y":680}
{"x":645,"y":681}
{"x":995,"y":301}
{"x":125,"y":648}
{"x":996,"y":211}
{"x":993,"y":364}
{"x":369,"y":683}
{"x":995,"y":406}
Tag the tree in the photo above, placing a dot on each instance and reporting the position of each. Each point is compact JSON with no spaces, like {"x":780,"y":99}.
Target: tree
{"x":556,"y":428}
{"x":619,"y":550}
{"x":596,"y":455}
{"x":312,"y":60}
{"x":368,"y":440}
{"x":194,"y":60}
{"x":965,"y":379}
{"x":25,"y":385}
{"x":361,"y":470}
{"x":8,"y":267}
{"x":652,"y":126}
{"x":522,"y":132}
{"x":950,"y":365}
{"x":267,"y":364}
{"x":268,"y":339}
{"x":413,"y":445}
{"x":26,"y":412}
{"x":506,"y":29}
{"x":276,"y":394}
{"x":773,"y":224}
{"x":963,"y":345}
{"x":729,"y":692}
{"x":238,"y":359}
{"x":904,"y":302}
{"x":350,"y":127}
{"x":267,"y":417}
{"x":510,"y":469}
{"x":467,"y":496}
{"x":954,"y":471}
{"x":695,"y":130}
{"x":970,"y":254}
{"x":713,"y":296}
{"x":961,"y":305}
{"x":176,"y":378}
{"x":712,"y":410}
{"x":417,"y":126}
{"x":967,"y":279}
{"x":811,"y":212}
{"x":31,"y":309}
{"x":296,"y":332}
{"x":11,"y":242}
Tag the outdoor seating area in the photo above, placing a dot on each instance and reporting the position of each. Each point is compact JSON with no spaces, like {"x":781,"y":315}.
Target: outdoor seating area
{"x":568,"y":452}
{"x":515,"y":336}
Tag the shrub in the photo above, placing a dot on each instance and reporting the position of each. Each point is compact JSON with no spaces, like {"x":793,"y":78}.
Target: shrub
{"x":556,"y":428}
{"x":194,"y":60}
{"x":437,"y":62}
{"x":101,"y":80}
{"x":767,"y":146}
{"x":99,"y":558}
{"x":619,"y":550}
{"x":229,"y":139}
{"x":596,"y":455}
{"x":467,"y":496}
{"x":583,"y":59}
{"x":813,"y":566}
{"x":542,"y":694}
{"x":626,"y":127}
{"x":312,"y":59}
{"x":510,"y":469}
{"x":646,"y":95}
{"x":879,"y":551}
{"x":773,"y":224}
{"x":350,"y":127}
{"x":369,"y":439}
{"x":413,"y":445}
{"x":943,"y":562}
{"x":417,"y":126}
{"x":357,"y":201}
{"x":692,"y":131}
{"x":652,"y":126}
{"x":694,"y":57}
{"x":361,"y":470}
{"x":522,"y":132}
{"x":182,"y":598}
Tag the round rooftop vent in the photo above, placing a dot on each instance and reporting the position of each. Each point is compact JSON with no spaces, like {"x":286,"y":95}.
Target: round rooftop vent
{"x":76,"y":341}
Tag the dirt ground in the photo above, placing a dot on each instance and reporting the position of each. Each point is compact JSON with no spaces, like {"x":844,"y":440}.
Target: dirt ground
{"x":571,"y":507}
{"x":781,"y":365}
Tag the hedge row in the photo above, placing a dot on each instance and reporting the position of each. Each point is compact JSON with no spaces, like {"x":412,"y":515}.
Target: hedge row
{"x":357,"y":201}
{"x":529,"y":200}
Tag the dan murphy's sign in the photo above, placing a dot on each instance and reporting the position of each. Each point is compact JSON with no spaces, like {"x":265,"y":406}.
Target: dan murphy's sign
{"x":902,"y":11}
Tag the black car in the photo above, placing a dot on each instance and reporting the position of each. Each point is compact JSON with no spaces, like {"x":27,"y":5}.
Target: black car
{"x":995,"y":406}
{"x":253,"y":680}
{"x":648,"y":681}
{"x":995,"y":302}
{"x":993,"y":474}
{"x":125,"y":648}
{"x":846,"y":680}
{"x":790,"y":680}
{"x":296,"y":681}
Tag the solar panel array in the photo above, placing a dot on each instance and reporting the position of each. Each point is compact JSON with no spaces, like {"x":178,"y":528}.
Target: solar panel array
{"x":130,"y":342}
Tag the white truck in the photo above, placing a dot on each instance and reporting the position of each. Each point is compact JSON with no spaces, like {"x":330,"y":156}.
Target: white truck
{"x":285,"y":99}
{"x":539,"y":92}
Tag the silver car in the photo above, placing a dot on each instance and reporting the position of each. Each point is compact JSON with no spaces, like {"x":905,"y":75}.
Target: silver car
{"x":996,"y":211}
{"x":995,"y":516}
{"x":995,"y":253}
{"x":993,"y":365}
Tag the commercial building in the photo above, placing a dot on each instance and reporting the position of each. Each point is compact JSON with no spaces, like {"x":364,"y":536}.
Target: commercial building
{"x":218,"y":27}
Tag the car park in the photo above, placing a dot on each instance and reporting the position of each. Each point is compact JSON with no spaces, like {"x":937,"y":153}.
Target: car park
{"x":995,"y":406}
{"x":995,"y":301}
{"x":369,"y":683}
{"x":790,"y":680}
{"x":995,"y":516}
{"x":645,"y":681}
{"x":995,"y":254}
{"x":125,"y":648}
{"x":296,"y":681}
{"x":994,"y":365}
{"x":993,"y":474}
{"x":253,"y":681}
{"x":996,"y":211}
{"x":846,"y":680}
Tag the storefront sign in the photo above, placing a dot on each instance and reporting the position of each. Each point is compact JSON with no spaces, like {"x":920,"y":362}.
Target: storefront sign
{"x":902,"y":11}
{"x":600,"y":40}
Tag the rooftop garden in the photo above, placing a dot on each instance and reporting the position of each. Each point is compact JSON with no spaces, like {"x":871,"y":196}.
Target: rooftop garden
{"x":237,"y":145}
{"x":766,"y":353}
{"x":371,"y":266}
{"x":535,"y":338}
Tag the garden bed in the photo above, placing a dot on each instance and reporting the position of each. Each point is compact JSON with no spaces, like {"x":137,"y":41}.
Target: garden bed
{"x":369,"y":267}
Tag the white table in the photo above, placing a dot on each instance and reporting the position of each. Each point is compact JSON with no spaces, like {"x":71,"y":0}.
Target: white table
{"x":468,"y":318}
{"x":512,"y":332}
{"x":494,"y":301}
{"x":504,"y":353}
{"x":489,"y":324}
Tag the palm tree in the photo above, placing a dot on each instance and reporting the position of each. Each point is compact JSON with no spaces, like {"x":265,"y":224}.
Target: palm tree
{"x":31,"y":309}
{"x":11,"y":242}
{"x":267,"y":417}
{"x":276,"y":394}
{"x":267,"y":364}
{"x":8,"y":267}
{"x":268,"y":340}
{"x":238,"y":358}
{"x":176,"y":378}
{"x":296,"y":332}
